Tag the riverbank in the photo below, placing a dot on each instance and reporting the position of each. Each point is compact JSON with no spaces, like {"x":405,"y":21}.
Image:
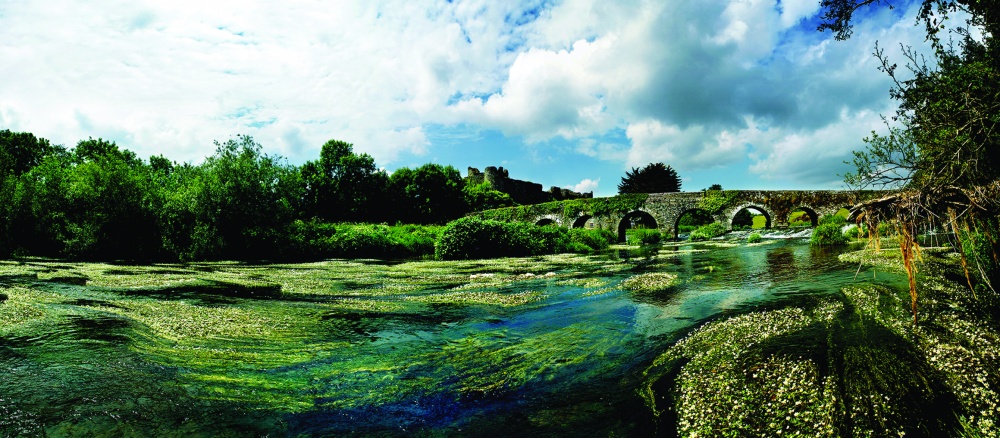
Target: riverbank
{"x":849,"y":366}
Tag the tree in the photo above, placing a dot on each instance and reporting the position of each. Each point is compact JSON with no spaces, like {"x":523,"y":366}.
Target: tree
{"x":654,"y":178}
{"x":40,"y":202}
{"x":19,"y":153}
{"x":344,"y":186}
{"x":483,"y":196}
{"x":715,"y":187}
{"x":429,"y":194}
{"x":237,"y":205}
{"x":941,"y":150}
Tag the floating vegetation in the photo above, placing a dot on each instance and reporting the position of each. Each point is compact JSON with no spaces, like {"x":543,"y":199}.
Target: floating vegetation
{"x":588,"y":283}
{"x":651,"y":281}
{"x":21,"y":306}
{"x":964,"y":350}
{"x":885,"y":259}
{"x":726,"y":388}
{"x":543,"y":345}
{"x":489,"y":298}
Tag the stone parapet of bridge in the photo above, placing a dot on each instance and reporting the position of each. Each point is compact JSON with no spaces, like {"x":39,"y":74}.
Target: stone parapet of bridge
{"x":663,"y":211}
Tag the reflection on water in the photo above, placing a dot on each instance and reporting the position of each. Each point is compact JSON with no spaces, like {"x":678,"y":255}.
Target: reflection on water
{"x":566,"y":363}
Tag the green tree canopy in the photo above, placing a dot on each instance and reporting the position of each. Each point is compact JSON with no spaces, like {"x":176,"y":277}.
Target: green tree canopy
{"x":483,"y":196}
{"x":941,"y":147}
{"x":945,"y":135}
{"x":429,"y":194}
{"x":654,"y":178}
{"x":237,"y":205}
{"x":21,"y":151}
{"x":343,"y":185}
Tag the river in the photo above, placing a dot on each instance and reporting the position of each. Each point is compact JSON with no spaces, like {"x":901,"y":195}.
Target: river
{"x":516,"y":347}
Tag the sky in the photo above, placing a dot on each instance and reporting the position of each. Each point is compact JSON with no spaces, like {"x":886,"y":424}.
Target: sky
{"x":572,"y":93}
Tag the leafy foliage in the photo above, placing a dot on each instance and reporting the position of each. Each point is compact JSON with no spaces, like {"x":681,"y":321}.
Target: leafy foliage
{"x":327,"y":240}
{"x":237,"y":205}
{"x":475,"y":238}
{"x":654,"y":178}
{"x":710,"y":231}
{"x":754,"y":238}
{"x":693,"y":219}
{"x":622,"y":203}
{"x":743,"y":220}
{"x":591,"y":239}
{"x":713,"y":201}
{"x":343,"y":186}
{"x":642,"y":236}
{"x":429,"y":194}
{"x":828,"y":234}
{"x":483,"y":196}
{"x":942,"y":149}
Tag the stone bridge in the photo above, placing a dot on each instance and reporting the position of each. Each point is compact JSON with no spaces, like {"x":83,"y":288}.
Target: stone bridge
{"x":663,"y":211}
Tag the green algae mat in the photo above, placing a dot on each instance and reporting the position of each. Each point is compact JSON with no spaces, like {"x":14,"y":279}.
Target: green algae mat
{"x":692,"y":340}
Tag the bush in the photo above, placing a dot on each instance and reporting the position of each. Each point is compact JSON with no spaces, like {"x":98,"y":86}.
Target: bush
{"x":312,"y":240}
{"x":591,"y":239}
{"x":828,"y":235}
{"x":754,"y":238}
{"x":642,"y":236}
{"x":833,"y":219}
{"x":475,"y":238}
{"x":886,"y":229}
{"x":980,"y":250}
{"x":709,"y":231}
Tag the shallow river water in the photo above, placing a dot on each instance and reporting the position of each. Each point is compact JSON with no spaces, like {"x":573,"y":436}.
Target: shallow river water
{"x":543,"y":346}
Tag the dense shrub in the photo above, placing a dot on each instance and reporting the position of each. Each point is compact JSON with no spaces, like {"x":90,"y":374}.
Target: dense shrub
{"x":313,"y":239}
{"x":754,"y":238}
{"x":592,"y":239}
{"x":642,"y":236}
{"x":475,"y":238}
{"x":833,"y":219}
{"x":743,"y":220}
{"x":885,"y":229}
{"x":828,"y":234}
{"x":709,"y":231}
{"x":853,"y":232}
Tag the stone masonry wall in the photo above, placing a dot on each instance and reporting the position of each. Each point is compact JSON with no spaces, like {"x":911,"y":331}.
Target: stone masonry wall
{"x":522,"y":192}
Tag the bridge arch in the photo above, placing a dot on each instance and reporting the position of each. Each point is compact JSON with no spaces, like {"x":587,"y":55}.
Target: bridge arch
{"x":581,"y":221}
{"x":730,"y":214}
{"x":548,"y":219}
{"x":685,"y":211}
{"x":810,"y":211}
{"x":635,"y":218}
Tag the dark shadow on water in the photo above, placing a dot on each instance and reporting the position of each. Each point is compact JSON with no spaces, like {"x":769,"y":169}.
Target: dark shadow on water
{"x":103,"y":329}
{"x":68,"y":279}
{"x":884,"y":383}
{"x":352,"y":325}
{"x":213,"y":292}
{"x":84,"y":302}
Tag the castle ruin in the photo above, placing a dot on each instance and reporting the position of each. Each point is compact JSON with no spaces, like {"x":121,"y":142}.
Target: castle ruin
{"x":522,"y":192}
